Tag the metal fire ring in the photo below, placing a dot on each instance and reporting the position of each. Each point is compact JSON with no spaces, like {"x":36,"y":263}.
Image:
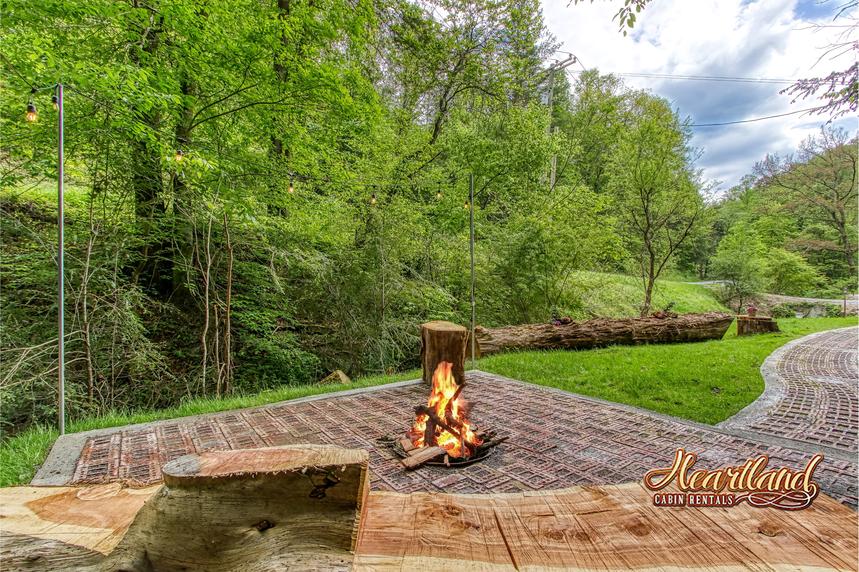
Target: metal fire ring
{"x":454,"y":461}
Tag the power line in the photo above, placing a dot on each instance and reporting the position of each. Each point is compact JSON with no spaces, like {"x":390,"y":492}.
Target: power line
{"x":754,"y":119}
{"x":716,"y":78}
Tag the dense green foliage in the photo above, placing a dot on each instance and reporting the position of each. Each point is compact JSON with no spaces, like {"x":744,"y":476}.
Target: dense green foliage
{"x":789,"y":228}
{"x":261,"y":192}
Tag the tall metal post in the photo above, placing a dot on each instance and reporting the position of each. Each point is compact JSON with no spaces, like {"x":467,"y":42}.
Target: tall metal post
{"x":60,"y":265}
{"x":471,"y":244}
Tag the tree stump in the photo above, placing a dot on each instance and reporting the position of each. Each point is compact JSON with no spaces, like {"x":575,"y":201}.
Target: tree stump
{"x":278,"y":508}
{"x":443,"y":341}
{"x":750,"y":325}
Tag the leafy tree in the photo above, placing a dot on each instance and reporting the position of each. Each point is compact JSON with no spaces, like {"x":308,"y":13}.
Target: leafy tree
{"x":789,"y":273}
{"x":740,"y":261}
{"x":657,"y":198}
{"x":820,"y":184}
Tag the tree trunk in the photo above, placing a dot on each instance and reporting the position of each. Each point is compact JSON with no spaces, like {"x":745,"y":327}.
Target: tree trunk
{"x":604,"y":332}
{"x":443,"y":341}
{"x":154,"y":270}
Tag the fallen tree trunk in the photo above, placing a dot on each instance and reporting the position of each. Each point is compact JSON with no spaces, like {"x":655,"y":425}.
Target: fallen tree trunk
{"x":604,"y":332}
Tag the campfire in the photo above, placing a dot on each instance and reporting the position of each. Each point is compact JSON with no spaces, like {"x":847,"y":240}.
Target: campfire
{"x":442,"y":433}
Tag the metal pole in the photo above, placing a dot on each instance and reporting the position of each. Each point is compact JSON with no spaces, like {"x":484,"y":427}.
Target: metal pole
{"x":60,"y":265}
{"x":471,"y":244}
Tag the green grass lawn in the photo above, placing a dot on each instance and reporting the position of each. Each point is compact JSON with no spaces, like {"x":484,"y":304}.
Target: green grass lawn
{"x":706,"y":382}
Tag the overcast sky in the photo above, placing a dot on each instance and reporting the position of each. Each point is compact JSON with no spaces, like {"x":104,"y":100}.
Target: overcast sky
{"x":757,"y":39}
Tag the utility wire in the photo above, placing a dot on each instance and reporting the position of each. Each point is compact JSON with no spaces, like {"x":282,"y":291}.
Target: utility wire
{"x":718,"y":78}
{"x":754,"y":119}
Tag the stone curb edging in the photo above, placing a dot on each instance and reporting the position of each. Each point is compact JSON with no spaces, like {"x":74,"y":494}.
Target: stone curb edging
{"x":774,"y":386}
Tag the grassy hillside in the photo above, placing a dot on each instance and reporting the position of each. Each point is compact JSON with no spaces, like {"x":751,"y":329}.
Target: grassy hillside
{"x":616,"y":295}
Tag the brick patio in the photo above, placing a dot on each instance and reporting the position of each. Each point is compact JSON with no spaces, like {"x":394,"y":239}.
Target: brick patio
{"x":812,"y":392}
{"x":557,"y":439}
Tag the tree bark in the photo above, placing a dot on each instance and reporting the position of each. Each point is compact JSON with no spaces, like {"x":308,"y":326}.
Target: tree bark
{"x":443,"y":341}
{"x":604,"y":332}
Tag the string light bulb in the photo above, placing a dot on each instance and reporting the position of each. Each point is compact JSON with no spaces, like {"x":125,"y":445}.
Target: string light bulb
{"x":467,"y":206}
{"x":179,"y":155}
{"x":55,"y":102}
{"x":373,"y":199}
{"x":32,"y":114}
{"x":438,"y":195}
{"x":291,"y":188}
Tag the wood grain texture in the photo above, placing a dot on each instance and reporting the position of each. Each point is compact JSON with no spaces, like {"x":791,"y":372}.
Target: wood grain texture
{"x":598,"y":528}
{"x":217,"y":515}
{"x":93,"y":518}
{"x":443,"y":341}
{"x":604,"y":332}
{"x":296,"y":508}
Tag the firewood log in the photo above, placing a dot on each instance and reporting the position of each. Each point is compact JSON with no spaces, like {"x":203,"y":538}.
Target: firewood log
{"x":421,"y":456}
{"x":604,"y":332}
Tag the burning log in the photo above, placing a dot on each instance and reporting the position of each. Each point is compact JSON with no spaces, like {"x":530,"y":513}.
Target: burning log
{"x":436,"y":420}
{"x":443,"y":421}
{"x":604,"y":332}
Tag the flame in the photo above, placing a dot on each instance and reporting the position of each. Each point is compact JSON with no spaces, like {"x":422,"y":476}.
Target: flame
{"x":448,"y":405}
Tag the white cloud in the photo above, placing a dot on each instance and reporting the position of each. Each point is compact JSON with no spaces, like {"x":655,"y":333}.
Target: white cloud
{"x":736,"y":38}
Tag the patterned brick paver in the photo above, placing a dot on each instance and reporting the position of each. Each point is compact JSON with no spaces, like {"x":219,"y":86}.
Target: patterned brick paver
{"x":812,"y":392}
{"x":557,"y":440}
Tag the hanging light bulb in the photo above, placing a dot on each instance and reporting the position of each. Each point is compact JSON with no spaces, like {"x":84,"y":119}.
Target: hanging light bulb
{"x":373,"y":199}
{"x":179,"y":155}
{"x":291,"y":188}
{"x":438,"y":195}
{"x":55,"y":102}
{"x":467,"y":206}
{"x":32,"y":114}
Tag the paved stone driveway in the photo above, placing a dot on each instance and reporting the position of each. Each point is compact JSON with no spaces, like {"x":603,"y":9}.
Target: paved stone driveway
{"x":812,"y":392}
{"x":557,"y":440}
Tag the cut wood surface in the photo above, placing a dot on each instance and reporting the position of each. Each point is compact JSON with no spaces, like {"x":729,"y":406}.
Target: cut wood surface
{"x":598,"y":528}
{"x":418,"y":457}
{"x":748,"y":325}
{"x":604,"y":332}
{"x":93,"y":518}
{"x":296,"y":508}
{"x":278,"y":519}
{"x":443,"y":341}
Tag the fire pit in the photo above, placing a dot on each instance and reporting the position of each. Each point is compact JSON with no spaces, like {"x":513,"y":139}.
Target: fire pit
{"x":441,"y":434}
